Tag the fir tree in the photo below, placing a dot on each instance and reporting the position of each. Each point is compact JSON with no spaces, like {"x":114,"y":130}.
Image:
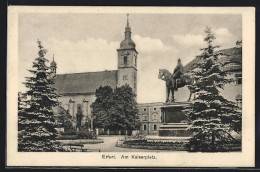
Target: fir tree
{"x":212,"y":116}
{"x":36,"y":123}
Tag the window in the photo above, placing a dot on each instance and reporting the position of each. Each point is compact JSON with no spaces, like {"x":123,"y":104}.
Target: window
{"x":154,"y":116}
{"x":144,"y":127}
{"x":144,"y":109}
{"x":239,"y":100}
{"x":239,"y":80}
{"x":79,"y":108}
{"x":239,"y":103}
{"x":125,"y":60}
{"x":154,"y":108}
{"x":145,"y":117}
{"x":154,"y":127}
{"x":135,"y":62}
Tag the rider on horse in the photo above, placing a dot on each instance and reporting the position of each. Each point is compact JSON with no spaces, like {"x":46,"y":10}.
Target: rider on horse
{"x":176,"y":80}
{"x":177,"y":73}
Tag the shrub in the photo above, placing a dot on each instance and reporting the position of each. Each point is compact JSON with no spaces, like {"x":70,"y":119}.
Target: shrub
{"x":86,"y":135}
{"x":69,"y":132}
{"x":67,"y":137}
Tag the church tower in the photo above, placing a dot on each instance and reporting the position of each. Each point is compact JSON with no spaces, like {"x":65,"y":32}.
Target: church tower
{"x":127,"y":61}
{"x":53,"y":66}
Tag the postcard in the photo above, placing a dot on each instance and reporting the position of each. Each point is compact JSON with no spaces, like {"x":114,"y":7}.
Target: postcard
{"x":131,"y":86}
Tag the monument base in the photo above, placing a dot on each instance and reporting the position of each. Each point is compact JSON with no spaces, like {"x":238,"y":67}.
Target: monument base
{"x":174,"y":120}
{"x":175,"y":130}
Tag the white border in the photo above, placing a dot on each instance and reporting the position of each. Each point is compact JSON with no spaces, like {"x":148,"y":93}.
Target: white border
{"x":169,"y":159}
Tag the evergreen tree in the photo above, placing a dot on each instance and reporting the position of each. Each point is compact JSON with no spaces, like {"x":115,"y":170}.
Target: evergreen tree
{"x":35,"y":119}
{"x":212,"y":116}
{"x":63,"y":119}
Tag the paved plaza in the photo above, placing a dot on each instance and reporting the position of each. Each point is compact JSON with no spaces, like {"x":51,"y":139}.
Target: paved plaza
{"x":109,"y":145}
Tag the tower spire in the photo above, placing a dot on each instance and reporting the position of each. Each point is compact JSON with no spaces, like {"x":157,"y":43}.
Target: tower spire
{"x":127,"y":29}
{"x":127,"y":42}
{"x":127,"y":20}
{"x":53,"y":65}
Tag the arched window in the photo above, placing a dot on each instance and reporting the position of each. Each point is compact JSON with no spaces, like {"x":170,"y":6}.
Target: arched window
{"x":144,"y":127}
{"x":125,"y":60}
{"x":145,"y":117}
{"x":154,"y":127}
{"x":79,"y":110}
{"x":154,"y":116}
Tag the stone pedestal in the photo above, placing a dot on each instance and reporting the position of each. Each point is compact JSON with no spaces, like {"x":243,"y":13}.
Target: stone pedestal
{"x":174,"y":120}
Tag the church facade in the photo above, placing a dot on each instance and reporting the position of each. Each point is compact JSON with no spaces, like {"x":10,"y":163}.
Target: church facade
{"x":77,"y":90}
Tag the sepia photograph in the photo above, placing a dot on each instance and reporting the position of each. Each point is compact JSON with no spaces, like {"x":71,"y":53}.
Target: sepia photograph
{"x":110,"y":86}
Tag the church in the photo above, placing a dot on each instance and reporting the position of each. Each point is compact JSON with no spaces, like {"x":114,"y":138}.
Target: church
{"x":77,"y":90}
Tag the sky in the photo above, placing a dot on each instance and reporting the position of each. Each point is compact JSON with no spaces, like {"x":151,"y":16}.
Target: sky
{"x":88,"y":42}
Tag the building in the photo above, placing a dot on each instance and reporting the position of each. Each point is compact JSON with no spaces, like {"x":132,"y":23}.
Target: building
{"x":150,"y":117}
{"x":77,"y":90}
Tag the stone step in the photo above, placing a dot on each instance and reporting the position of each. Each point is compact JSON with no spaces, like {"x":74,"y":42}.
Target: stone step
{"x":173,"y":126}
{"x":173,"y":129}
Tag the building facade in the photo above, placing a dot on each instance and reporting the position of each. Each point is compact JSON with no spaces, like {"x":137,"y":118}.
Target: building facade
{"x":150,"y":117}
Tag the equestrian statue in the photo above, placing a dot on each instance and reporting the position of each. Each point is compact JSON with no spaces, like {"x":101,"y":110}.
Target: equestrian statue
{"x":176,"y":80}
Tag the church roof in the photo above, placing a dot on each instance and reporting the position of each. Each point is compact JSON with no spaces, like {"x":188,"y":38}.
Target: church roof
{"x":84,"y":83}
{"x":228,"y":56}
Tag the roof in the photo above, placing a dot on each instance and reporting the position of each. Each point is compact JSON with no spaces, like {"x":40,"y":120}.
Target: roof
{"x":53,"y":63}
{"x":127,"y":44}
{"x":84,"y":83}
{"x":233,"y":55}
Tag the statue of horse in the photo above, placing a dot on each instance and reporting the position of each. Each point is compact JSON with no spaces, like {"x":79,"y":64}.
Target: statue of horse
{"x":185,"y":79}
